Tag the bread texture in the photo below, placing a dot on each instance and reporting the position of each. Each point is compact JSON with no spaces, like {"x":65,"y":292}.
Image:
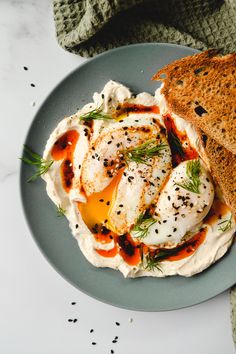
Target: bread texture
{"x":202,"y":89}
{"x":223,"y":168}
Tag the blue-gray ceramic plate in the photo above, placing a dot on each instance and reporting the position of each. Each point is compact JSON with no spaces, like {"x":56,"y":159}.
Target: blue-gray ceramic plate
{"x":133,"y":66}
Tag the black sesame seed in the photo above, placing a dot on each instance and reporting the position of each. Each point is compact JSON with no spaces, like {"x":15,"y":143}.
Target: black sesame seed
{"x":116,"y":337}
{"x":177,"y":189}
{"x":102,"y":95}
{"x":79,"y":167}
{"x":168,"y":197}
{"x":73,"y":303}
{"x":121,"y":205}
{"x":114,"y":341}
{"x":112,"y":351}
{"x":91,"y":330}
{"x":104,"y":230}
{"x":75,"y":320}
{"x":118,"y":212}
{"x":32,"y":85}
{"x":109,"y":142}
{"x":105,"y":221}
{"x":101,"y":200}
{"x":164,"y":221}
{"x":25,"y":68}
{"x":94,"y":343}
{"x":76,"y":226}
{"x":156,"y":231}
{"x":175,"y":229}
{"x":126,"y":133}
{"x":118,"y":324}
{"x":108,"y":203}
{"x":70,"y":320}
{"x":176,"y":218}
{"x":191,"y":205}
{"x":207,"y":179}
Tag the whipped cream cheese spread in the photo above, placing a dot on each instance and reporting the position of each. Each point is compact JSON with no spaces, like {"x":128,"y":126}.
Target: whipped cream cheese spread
{"x":136,"y":187}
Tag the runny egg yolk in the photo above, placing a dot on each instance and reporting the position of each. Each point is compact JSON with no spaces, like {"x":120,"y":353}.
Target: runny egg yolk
{"x":96,"y":209}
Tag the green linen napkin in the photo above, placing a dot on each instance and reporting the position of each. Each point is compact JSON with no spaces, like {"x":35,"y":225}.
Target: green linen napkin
{"x":89,"y":27}
{"x":233,"y":311}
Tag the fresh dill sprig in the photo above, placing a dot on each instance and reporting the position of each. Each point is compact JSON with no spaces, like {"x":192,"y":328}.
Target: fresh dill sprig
{"x":176,"y":144}
{"x":32,"y":158}
{"x":225,"y":225}
{"x":193,"y":183}
{"x":144,"y":152}
{"x":153,"y":261}
{"x":96,"y":113}
{"x":142,"y":225}
{"x":60,"y":211}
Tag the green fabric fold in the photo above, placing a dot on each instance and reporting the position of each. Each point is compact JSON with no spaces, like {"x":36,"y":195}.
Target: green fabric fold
{"x":89,"y":27}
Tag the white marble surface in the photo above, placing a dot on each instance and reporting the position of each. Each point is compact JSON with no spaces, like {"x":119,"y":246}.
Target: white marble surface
{"x":35,"y":302}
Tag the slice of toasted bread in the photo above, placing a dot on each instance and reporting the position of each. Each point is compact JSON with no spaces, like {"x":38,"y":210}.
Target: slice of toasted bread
{"x":223,"y":167}
{"x":202,"y":89}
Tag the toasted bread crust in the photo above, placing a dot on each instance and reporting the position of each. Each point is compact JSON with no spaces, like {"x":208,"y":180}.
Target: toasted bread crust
{"x":202,"y":89}
{"x":223,"y":168}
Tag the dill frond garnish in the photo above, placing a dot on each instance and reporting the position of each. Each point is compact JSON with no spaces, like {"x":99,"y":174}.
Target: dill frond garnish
{"x":32,"y":158}
{"x":96,"y":113}
{"x":193,"y":183}
{"x":153,"y":261}
{"x":144,"y":152}
{"x":225,"y":225}
{"x":60,"y":211}
{"x":142,"y":225}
